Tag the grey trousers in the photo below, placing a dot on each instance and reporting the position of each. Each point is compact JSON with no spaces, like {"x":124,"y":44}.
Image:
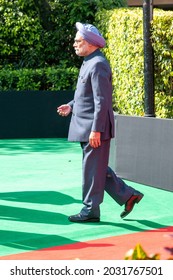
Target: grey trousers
{"x":98,"y":177}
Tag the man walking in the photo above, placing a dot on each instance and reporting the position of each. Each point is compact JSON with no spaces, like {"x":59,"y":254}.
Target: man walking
{"x":92,"y":124}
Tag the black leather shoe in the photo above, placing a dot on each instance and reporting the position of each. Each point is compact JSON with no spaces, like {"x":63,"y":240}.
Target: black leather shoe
{"x":135,"y":198}
{"x":81,"y":219}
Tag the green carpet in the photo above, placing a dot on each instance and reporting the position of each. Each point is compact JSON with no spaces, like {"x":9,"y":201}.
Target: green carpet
{"x":40,"y":187}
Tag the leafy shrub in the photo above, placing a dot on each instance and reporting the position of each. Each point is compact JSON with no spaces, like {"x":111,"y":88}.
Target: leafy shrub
{"x":124,"y":49}
{"x":28,"y":43}
{"x":51,"y":78}
{"x":162,"y":38}
{"x":40,"y":33}
{"x":123,"y":29}
{"x":138,"y":253}
{"x":20,"y":32}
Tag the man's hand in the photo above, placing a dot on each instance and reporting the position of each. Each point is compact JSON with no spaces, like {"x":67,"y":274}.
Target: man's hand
{"x":95,"y":139}
{"x":64,"y":110}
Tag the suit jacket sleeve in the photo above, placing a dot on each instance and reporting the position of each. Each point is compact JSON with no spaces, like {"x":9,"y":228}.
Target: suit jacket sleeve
{"x":102,"y":94}
{"x":71,"y":103}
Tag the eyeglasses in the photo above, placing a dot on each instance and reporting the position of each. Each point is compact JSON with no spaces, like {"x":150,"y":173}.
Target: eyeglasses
{"x":78,"y":41}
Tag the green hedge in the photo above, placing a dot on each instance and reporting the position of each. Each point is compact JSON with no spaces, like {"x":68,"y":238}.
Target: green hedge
{"x":162,"y":38}
{"x":123,"y":29}
{"x":40,"y":33}
{"x":51,"y":78}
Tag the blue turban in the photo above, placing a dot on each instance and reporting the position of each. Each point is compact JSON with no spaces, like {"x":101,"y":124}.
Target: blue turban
{"x":91,"y":34}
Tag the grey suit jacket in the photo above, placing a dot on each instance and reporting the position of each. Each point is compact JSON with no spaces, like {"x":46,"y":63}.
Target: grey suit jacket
{"x":92,"y":104}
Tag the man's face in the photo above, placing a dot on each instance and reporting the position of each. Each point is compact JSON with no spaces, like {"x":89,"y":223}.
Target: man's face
{"x":82,"y":47}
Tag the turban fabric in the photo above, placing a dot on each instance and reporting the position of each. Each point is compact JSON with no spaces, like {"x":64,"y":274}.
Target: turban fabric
{"x":91,"y":34}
